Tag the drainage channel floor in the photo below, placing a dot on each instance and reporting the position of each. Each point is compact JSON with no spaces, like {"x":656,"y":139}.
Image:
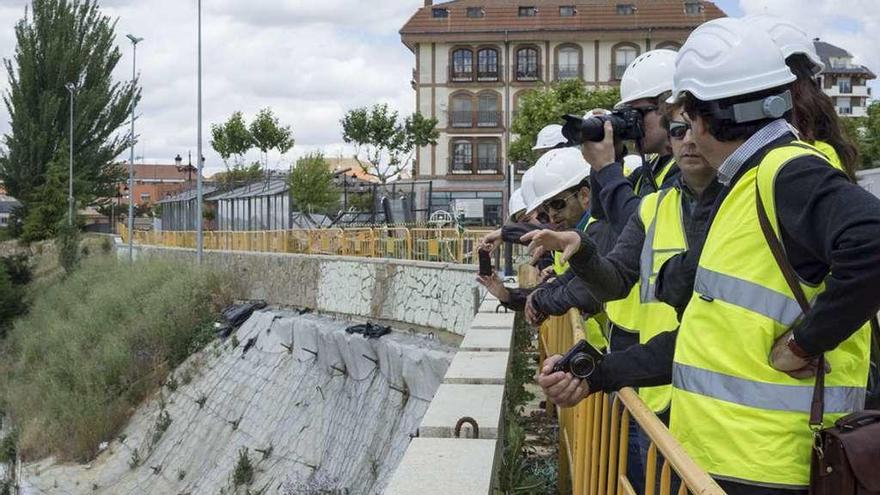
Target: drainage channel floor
{"x":299,"y":406}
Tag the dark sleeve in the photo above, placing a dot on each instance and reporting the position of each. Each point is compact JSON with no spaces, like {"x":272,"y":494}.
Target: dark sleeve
{"x":517,"y":301}
{"x":511,"y":232}
{"x":572,"y":293}
{"x":642,"y":365}
{"x":616,"y":195}
{"x":596,"y":209}
{"x":611,"y":277}
{"x":675,"y":280}
{"x":825,"y":217}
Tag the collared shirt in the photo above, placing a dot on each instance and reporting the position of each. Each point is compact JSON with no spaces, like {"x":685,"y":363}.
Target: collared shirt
{"x":769,"y":133}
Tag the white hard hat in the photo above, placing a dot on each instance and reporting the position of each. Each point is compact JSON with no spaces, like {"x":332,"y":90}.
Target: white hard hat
{"x":516,"y":203}
{"x":549,"y":137}
{"x":789,"y":37}
{"x":525,"y":189}
{"x":595,"y":112}
{"x":728,"y":57}
{"x":648,"y":76}
{"x":631,"y":163}
{"x":556,"y":171}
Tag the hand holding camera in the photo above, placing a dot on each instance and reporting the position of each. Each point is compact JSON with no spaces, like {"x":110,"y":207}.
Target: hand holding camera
{"x":562,"y":389}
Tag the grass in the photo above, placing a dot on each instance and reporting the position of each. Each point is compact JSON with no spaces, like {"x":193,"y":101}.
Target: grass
{"x":98,"y":342}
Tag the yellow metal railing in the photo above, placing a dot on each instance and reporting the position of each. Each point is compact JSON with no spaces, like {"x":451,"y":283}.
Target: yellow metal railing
{"x":448,"y":245}
{"x":594,"y":435}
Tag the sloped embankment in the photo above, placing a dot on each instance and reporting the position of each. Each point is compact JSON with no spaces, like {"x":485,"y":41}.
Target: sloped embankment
{"x":314,"y":407}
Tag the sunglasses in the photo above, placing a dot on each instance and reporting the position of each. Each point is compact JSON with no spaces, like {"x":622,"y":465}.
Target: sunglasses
{"x":677,"y":129}
{"x":645,"y":109}
{"x":559,"y":203}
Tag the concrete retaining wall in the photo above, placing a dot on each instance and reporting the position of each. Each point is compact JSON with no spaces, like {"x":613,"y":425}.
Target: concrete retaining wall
{"x":435,"y":295}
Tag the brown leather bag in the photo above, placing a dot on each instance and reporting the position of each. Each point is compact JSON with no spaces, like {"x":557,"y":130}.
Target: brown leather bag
{"x":846,"y":456}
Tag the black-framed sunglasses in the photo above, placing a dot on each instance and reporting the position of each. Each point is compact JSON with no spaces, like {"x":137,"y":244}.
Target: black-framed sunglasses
{"x":677,"y":129}
{"x":645,"y":109}
{"x":559,"y":203}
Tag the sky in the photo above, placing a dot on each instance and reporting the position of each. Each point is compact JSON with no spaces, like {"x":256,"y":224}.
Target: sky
{"x":311,"y":61}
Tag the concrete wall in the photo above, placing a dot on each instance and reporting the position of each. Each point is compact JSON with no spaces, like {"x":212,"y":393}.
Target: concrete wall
{"x":435,"y":295}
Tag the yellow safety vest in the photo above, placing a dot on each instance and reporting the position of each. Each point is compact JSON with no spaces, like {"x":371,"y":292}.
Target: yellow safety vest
{"x":625,"y":313}
{"x":661,"y":215}
{"x":829,"y":152}
{"x":593,"y":326}
{"x":659,"y":178}
{"x":736,"y":416}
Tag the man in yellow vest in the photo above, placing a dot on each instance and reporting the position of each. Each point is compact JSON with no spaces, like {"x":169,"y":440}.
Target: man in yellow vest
{"x":743,"y":361}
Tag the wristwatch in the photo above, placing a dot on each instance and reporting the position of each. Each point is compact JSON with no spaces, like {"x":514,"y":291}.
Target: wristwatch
{"x":795,"y":348}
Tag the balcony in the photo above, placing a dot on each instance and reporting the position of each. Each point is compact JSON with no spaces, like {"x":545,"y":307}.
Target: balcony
{"x":484,"y":166}
{"x":526,"y":73}
{"x":859,"y":91}
{"x":468,"y":119}
{"x":460,"y":166}
{"x":489,"y":73}
{"x":568,"y":71}
{"x":488,"y":165}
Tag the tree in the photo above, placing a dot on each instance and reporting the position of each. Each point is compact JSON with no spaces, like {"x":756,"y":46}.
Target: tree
{"x":865,"y":133}
{"x":543,"y":107}
{"x":311,"y":184}
{"x":232,"y":140}
{"x":268,"y":134}
{"x":385,"y":147}
{"x":58,"y":42}
{"x":239,"y":175}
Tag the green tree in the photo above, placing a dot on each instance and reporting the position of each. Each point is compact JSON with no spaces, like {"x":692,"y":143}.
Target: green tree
{"x":268,"y":134}
{"x":865,"y":132}
{"x":547,"y":106}
{"x":384,"y":147}
{"x":59,"y":42}
{"x":311,"y":184}
{"x":232,"y":140}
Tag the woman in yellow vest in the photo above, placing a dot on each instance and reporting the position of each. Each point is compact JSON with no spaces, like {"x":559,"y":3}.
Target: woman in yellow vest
{"x":743,"y":360}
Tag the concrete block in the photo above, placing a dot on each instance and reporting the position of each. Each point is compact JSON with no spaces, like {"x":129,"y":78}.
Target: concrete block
{"x":487,"y":339}
{"x":445,"y":465}
{"x":490,"y":306}
{"x":493,"y":320}
{"x":453,"y":402}
{"x":477,"y":368}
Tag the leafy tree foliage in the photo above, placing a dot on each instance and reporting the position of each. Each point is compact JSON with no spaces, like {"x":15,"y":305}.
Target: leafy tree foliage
{"x":311,"y":184}
{"x":384,"y":147}
{"x":59,"y":42}
{"x":233,"y":139}
{"x":544,"y":107}
{"x":268,"y":134}
{"x":865,"y":133}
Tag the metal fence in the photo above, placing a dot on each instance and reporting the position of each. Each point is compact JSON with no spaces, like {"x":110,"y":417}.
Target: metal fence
{"x":594,"y":435}
{"x":449,"y":245}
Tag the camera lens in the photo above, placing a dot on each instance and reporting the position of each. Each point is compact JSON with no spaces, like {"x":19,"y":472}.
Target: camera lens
{"x":582,"y":365}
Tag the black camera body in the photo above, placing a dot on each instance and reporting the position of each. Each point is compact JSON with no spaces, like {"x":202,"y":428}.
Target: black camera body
{"x":581,"y":360}
{"x":627,"y":123}
{"x":485,"y":263}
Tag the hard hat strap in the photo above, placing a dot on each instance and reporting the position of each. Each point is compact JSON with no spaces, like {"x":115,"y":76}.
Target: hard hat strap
{"x":769,"y":107}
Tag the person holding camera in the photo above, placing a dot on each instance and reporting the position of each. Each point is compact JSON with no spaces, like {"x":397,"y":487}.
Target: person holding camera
{"x":788,"y":231}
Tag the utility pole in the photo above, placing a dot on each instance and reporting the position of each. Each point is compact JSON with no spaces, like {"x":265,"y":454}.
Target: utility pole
{"x":199,"y":233}
{"x":134,"y":41}
{"x":71,"y":87}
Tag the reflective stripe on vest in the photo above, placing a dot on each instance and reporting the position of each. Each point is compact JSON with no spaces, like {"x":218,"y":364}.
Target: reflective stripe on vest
{"x":733,"y":413}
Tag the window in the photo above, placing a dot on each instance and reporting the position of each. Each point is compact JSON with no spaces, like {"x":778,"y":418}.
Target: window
{"x":145,"y":197}
{"x":692,"y":7}
{"x":475,"y":12}
{"x":844,"y":106}
{"x":440,"y":13}
{"x":623,"y":56}
{"x":462,"y":112}
{"x":487,"y":110}
{"x":462,"y":157}
{"x":567,"y":11}
{"x":844,"y":85}
{"x":626,"y":9}
{"x":487,"y":157}
{"x":527,"y":68}
{"x":487,"y":64}
{"x":528,"y":11}
{"x":568,"y":63}
{"x":462,"y":65}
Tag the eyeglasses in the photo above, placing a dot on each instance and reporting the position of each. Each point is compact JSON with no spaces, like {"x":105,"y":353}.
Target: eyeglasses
{"x":645,"y":109}
{"x":559,"y":203}
{"x":677,"y":129}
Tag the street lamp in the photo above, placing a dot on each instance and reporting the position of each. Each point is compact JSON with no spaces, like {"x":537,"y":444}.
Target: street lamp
{"x":134,"y":41}
{"x":199,"y":233}
{"x":71,"y":87}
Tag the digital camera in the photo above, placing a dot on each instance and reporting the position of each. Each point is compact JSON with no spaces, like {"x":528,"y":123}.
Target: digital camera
{"x":627,"y":123}
{"x":581,"y":360}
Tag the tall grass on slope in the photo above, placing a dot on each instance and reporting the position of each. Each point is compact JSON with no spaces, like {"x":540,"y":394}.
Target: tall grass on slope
{"x":96,"y":344}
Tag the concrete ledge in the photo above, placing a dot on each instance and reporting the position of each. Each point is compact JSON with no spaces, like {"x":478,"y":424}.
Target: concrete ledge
{"x":493,"y":320}
{"x":493,"y":306}
{"x":453,"y":402}
{"x":487,"y":339}
{"x":478,"y":368}
{"x":444,"y":466}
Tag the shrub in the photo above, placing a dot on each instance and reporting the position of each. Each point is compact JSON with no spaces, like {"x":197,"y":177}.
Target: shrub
{"x":18,"y":267}
{"x":12,"y":303}
{"x":96,"y":344}
{"x":68,"y":239}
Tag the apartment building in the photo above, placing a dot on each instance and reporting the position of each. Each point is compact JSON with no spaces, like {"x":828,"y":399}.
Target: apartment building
{"x":845,"y":82}
{"x":156,"y":182}
{"x":475,"y":59}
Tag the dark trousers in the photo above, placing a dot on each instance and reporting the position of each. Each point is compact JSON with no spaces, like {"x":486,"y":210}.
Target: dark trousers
{"x":635,"y":472}
{"x":732,"y":488}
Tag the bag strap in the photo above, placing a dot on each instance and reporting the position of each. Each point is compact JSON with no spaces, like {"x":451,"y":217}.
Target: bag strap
{"x":817,"y":406}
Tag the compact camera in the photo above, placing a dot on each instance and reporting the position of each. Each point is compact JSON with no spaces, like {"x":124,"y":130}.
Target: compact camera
{"x":581,"y":360}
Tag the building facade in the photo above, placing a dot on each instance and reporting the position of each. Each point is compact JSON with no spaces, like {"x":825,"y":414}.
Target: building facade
{"x":474,"y":61}
{"x":156,"y":182}
{"x":845,"y":82}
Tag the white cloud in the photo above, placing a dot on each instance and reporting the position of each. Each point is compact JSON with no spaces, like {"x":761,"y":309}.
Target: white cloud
{"x":309,"y":61}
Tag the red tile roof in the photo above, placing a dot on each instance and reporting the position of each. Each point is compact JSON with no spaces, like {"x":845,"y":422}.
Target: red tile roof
{"x":593,"y":15}
{"x":144,"y":171}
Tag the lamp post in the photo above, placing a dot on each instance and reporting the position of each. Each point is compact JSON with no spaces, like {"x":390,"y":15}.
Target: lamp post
{"x":71,"y":88}
{"x":134,"y":41}
{"x":200,"y":158}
